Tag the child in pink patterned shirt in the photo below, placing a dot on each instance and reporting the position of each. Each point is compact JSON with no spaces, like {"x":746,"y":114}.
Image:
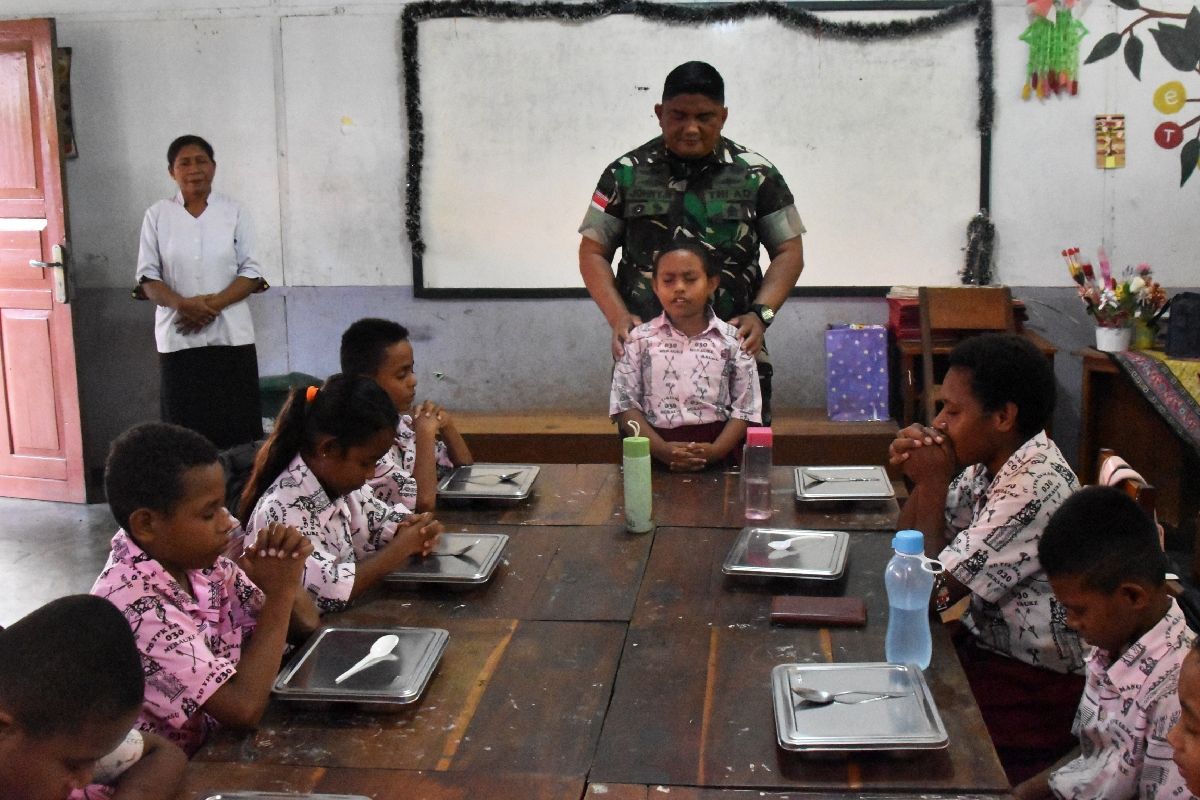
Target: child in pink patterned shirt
{"x":211,"y":632}
{"x":70,"y":688}
{"x":312,"y":474}
{"x":427,"y":443}
{"x":1102,"y":557}
{"x":683,"y":376}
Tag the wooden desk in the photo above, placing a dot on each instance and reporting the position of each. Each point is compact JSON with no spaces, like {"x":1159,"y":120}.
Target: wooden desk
{"x":704,"y":647}
{"x":599,"y":660}
{"x":713,"y":499}
{"x":563,"y":494}
{"x":1115,"y":414}
{"x":907,"y":378}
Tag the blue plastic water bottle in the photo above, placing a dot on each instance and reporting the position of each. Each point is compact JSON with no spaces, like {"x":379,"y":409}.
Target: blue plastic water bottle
{"x":909,"y":584}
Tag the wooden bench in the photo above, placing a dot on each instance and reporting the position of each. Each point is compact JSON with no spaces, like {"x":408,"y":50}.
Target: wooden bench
{"x":554,"y":436}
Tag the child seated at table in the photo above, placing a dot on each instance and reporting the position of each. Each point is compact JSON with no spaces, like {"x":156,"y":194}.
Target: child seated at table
{"x":985,"y":479}
{"x":211,"y":632}
{"x":426,"y":445}
{"x":311,"y":474}
{"x":1102,"y":556}
{"x":683,"y":377}
{"x":70,"y":690}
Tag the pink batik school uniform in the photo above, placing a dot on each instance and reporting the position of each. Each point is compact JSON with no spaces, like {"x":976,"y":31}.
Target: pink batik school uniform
{"x":694,"y":383}
{"x":1128,"y":706}
{"x":190,"y":646}
{"x":342,"y":530}
{"x":394,"y":482}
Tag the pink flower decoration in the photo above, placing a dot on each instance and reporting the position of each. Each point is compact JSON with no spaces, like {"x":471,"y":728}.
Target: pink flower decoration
{"x":1143,"y":269}
{"x":1040,"y":7}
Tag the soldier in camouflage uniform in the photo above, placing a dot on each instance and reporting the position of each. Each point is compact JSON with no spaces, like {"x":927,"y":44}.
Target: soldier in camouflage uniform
{"x":691,"y":183}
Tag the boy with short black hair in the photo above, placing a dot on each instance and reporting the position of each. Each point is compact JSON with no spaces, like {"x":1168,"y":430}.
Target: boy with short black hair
{"x":70,"y":689}
{"x":1102,"y":556}
{"x":986,"y":479}
{"x":427,"y":445}
{"x":211,"y":632}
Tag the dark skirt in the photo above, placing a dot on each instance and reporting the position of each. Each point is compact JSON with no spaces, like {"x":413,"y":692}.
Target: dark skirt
{"x":213,"y":391}
{"x":706,"y":434}
{"x":1028,"y":711}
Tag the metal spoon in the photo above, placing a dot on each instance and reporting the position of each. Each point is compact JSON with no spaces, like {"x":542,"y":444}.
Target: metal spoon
{"x":820,"y":697}
{"x":381,"y":650}
{"x":508,"y":477}
{"x":816,"y":480}
{"x":457,"y":553}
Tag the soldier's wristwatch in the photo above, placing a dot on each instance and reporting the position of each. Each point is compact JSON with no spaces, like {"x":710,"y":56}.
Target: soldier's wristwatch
{"x":765,"y":313}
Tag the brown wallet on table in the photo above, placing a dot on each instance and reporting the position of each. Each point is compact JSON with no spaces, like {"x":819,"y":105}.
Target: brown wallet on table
{"x":820,"y":611}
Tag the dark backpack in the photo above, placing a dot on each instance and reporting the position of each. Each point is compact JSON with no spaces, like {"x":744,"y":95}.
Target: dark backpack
{"x":1183,"y":332}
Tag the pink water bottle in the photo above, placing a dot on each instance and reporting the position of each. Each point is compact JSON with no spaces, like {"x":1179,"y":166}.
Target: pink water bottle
{"x":756,"y":473}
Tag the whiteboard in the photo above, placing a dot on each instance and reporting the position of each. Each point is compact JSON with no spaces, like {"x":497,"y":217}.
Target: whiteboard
{"x":877,"y":140}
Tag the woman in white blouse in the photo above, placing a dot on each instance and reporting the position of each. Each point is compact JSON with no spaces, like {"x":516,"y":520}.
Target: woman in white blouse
{"x":196,"y":262}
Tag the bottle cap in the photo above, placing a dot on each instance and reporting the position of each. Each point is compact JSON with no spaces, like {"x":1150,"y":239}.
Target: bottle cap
{"x":758,"y":437}
{"x":909,"y":542}
{"x":636,"y":446}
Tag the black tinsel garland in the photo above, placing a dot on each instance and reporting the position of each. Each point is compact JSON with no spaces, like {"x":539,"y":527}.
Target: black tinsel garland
{"x":789,"y":15}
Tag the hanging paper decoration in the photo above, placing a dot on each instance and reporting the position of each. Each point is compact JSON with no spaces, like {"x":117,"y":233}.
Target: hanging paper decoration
{"x":1053,"y":38}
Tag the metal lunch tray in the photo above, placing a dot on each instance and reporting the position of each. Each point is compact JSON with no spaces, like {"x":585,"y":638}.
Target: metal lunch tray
{"x":482,"y":482}
{"x":814,"y":555}
{"x":472,"y":568}
{"x":310,"y":675}
{"x":843,"y":483}
{"x":895,"y":723}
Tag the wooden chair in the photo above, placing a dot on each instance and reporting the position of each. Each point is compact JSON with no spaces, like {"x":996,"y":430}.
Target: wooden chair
{"x":1112,"y":470}
{"x":954,"y":310}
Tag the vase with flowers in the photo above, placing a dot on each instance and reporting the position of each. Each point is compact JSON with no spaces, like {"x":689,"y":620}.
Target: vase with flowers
{"x":1115,"y":303}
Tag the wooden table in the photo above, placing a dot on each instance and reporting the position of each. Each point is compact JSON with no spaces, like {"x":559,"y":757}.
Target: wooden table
{"x":692,"y":701}
{"x":597,"y":661}
{"x":1115,"y":414}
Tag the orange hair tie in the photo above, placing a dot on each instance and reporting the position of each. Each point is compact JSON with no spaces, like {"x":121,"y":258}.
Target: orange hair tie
{"x":311,"y":394}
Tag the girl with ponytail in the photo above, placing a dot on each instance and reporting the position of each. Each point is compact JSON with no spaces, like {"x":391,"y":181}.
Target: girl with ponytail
{"x":311,"y":474}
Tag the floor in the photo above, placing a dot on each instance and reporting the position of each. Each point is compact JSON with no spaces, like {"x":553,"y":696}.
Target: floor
{"x":48,"y":550}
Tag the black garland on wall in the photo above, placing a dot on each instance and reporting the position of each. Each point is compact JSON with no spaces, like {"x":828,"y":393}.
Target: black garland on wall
{"x":790,"y":15}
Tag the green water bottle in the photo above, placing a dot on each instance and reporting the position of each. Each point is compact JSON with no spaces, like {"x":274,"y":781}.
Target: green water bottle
{"x":635,"y":464}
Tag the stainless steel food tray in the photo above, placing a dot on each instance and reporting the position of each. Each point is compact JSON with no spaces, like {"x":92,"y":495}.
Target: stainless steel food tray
{"x":311,"y":674}
{"x":469,"y":569}
{"x":843,"y":483}
{"x":910,"y":722}
{"x":813,"y":555}
{"x":482,"y":482}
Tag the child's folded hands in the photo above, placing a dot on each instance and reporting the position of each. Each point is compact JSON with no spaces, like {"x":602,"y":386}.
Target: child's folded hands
{"x":275,"y":560}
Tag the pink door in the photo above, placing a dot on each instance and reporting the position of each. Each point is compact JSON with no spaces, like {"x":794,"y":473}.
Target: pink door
{"x":41,"y":450}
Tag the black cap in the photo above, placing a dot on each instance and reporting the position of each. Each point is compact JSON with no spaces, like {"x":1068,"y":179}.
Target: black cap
{"x":695,"y":77}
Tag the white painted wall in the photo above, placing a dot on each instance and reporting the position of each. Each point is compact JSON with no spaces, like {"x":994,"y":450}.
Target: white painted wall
{"x":303,"y":101}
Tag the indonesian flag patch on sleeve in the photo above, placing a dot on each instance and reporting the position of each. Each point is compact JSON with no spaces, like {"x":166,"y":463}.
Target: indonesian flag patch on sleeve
{"x":599,"y":200}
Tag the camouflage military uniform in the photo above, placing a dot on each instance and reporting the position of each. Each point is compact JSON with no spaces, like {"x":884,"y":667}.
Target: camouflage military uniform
{"x":730,"y":201}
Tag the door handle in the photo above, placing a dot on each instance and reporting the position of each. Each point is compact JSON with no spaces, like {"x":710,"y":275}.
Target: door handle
{"x":58,"y":269}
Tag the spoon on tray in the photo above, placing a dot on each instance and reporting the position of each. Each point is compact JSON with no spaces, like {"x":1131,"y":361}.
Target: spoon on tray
{"x":460,"y":553}
{"x":820,"y":697}
{"x":381,"y":650}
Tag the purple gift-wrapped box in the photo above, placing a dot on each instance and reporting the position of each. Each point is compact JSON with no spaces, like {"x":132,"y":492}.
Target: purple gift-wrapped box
{"x":856,"y":372}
